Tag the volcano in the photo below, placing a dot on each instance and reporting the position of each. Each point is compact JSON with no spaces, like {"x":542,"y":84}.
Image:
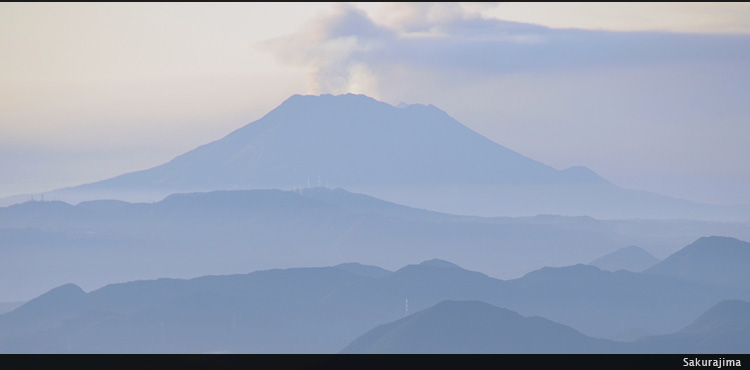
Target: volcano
{"x":415,"y":155}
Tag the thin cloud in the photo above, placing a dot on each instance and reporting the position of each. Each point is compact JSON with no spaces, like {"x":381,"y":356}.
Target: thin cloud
{"x":450,"y":37}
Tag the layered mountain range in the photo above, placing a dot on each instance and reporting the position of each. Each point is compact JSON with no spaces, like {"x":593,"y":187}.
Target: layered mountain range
{"x":573,"y":309}
{"x":45,"y":244}
{"x":322,"y":181}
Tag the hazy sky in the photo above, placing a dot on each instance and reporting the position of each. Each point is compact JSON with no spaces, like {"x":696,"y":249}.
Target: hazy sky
{"x":650,"y":96}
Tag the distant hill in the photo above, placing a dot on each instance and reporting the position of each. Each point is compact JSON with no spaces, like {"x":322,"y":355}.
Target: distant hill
{"x":364,"y":270}
{"x":727,"y":315}
{"x":45,"y":311}
{"x":630,"y":258}
{"x":415,"y":155}
{"x":716,"y":260}
{"x":725,"y":328}
{"x":6,"y":307}
{"x":273,"y":311}
{"x":619,"y":305}
{"x":475,"y":327}
{"x":441,"y":263}
{"x":106,"y":241}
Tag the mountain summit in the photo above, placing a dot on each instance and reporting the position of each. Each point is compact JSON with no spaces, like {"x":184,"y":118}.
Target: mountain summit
{"x":345,"y":141}
{"x":414,"y":154}
{"x":716,"y":260}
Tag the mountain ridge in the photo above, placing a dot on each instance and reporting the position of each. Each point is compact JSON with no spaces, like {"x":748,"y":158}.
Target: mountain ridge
{"x":631,"y":258}
{"x":321,"y":309}
{"x":718,"y":260}
{"x":233,"y":231}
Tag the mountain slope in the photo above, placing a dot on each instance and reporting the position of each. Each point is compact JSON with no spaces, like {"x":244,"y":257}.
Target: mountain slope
{"x":475,"y":327}
{"x":619,"y":305}
{"x":725,"y":328}
{"x":348,"y":141}
{"x":45,"y":311}
{"x":716,"y":260}
{"x":630,"y":258}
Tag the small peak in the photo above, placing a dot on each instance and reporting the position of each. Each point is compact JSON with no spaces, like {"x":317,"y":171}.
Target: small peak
{"x":727,"y":314}
{"x":69,"y":288}
{"x":64,"y":296}
{"x":441,"y":263}
{"x":364,"y":270}
{"x":717,"y":238}
{"x":580,"y":271}
{"x":300,"y":98}
{"x":715,"y":242}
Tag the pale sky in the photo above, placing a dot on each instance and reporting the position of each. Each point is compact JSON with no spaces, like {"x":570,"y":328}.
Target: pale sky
{"x":651,"y":96}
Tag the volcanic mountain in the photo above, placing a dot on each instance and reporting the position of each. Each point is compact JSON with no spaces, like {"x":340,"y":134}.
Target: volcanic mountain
{"x":415,"y":155}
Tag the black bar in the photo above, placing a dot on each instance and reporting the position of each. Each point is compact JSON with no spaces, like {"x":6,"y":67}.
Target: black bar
{"x":450,"y":361}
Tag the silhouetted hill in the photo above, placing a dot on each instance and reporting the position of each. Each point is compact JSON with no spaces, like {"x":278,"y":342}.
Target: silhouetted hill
{"x":725,"y":328}
{"x":45,"y":311}
{"x":717,"y":260}
{"x":364,"y":270}
{"x":440,"y":263}
{"x":618,"y":305}
{"x":273,"y":311}
{"x":6,"y":307}
{"x":476,"y":327}
{"x":63,"y":298}
{"x":726,"y":315}
{"x":630,"y":258}
{"x":362,"y":203}
{"x":621,"y":305}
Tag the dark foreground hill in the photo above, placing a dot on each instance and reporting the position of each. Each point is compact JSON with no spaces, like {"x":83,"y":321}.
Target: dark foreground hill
{"x":725,"y":328}
{"x":476,"y":327}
